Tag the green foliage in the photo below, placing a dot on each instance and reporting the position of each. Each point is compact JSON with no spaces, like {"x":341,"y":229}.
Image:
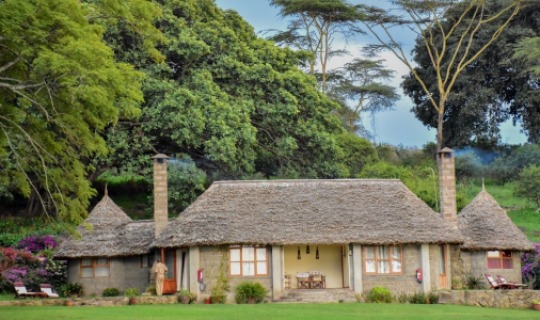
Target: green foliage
{"x":357,"y":152}
{"x":186,"y":295}
{"x":58,"y":92}
{"x":110,"y":292}
{"x":513,"y":160}
{"x":247,"y":291}
{"x":186,"y":183}
{"x":131,"y":292}
{"x":71,"y":289}
{"x":379,"y":295}
{"x":221,"y":284}
{"x":528,"y":184}
{"x":423,"y":298}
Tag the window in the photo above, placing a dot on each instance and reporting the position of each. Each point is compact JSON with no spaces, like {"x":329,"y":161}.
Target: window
{"x":383,"y":259}
{"x":95,"y":267}
{"x":499,"y":259}
{"x":248,"y":261}
{"x":146,"y":261}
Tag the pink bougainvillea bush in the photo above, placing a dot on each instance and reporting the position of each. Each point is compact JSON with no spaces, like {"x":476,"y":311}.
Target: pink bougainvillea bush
{"x":31,"y":262}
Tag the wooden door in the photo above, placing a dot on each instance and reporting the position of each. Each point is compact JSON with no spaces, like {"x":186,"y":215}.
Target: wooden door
{"x":168,"y":257}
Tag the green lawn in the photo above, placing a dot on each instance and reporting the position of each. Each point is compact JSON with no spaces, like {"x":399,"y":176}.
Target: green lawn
{"x":267,"y":311}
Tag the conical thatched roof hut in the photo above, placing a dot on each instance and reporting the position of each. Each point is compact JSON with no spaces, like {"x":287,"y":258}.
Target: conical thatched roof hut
{"x":307,"y":211}
{"x":108,"y":232}
{"x":486,"y":226}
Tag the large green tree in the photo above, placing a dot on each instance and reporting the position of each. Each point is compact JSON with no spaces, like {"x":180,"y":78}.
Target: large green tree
{"x":60,"y":87}
{"x":489,"y":91}
{"x":234,"y":103}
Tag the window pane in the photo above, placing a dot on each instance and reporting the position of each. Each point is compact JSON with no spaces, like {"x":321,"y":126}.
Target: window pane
{"x":396,"y":265}
{"x":86,"y":262}
{"x":507,"y":263}
{"x":235,"y":254}
{"x":493,"y":254}
{"x":261,"y":254}
{"x":248,"y":268}
{"x":494,"y":264}
{"x":384,"y":266}
{"x":261,"y":267}
{"x":235,"y":269}
{"x":87,"y":273}
{"x":507,"y":254}
{"x":102,"y":262}
{"x":383,"y":252}
{"x":370,"y":265}
{"x":248,"y":254}
{"x":370,"y":253}
{"x":102,"y":272}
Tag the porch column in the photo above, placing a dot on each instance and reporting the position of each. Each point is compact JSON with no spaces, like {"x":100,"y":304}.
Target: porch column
{"x":426,"y":268}
{"x":357,"y":269}
{"x":194,"y":265}
{"x":277,"y":272}
{"x":448,"y":264}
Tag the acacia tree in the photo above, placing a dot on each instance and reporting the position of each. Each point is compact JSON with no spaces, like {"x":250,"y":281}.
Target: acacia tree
{"x":313,"y":27}
{"x":448,"y":55}
{"x":359,"y":87}
{"x":498,"y":86}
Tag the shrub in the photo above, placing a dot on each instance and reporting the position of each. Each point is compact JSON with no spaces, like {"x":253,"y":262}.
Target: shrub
{"x":185,"y":296}
{"x":247,"y":291}
{"x":71,"y":289}
{"x":379,"y":295}
{"x":132,"y":292}
{"x":111,"y":292}
{"x":474,"y":282}
{"x":531,"y":266}
{"x":422,"y":298}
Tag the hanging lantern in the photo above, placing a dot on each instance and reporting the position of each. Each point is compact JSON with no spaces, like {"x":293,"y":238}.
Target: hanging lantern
{"x":307,"y":249}
{"x":299,"y":256}
{"x":317,"y":253}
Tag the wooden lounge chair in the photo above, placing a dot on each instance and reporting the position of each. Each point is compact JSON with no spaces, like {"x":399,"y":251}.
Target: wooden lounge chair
{"x":513,"y":285}
{"x":21,"y":291}
{"x":47,"y":289}
{"x":494,"y":284}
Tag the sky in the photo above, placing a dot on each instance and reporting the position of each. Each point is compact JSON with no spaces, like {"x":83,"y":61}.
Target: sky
{"x":396,"y":127}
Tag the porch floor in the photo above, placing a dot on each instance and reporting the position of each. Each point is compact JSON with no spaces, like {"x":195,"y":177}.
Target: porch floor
{"x":318,"y":295}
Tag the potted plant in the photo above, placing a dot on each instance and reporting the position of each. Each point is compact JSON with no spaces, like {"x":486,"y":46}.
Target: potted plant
{"x":250,"y":292}
{"x":132,"y":294}
{"x":186,"y":297}
{"x":535,"y":304}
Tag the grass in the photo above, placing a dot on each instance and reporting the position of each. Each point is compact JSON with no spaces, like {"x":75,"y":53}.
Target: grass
{"x":266,"y":312}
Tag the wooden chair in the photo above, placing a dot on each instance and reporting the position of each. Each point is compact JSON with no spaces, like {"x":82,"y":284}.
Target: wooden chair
{"x":47,"y":289}
{"x":494,"y":284}
{"x":318,"y":281}
{"x":22,"y":292}
{"x":512,"y":285}
{"x":303,"y":280}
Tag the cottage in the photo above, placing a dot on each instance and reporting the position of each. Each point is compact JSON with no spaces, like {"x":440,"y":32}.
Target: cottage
{"x":349,"y":235}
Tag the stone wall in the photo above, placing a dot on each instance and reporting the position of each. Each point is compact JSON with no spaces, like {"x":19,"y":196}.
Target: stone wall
{"x":490,"y":298}
{"x":124,"y":273}
{"x":103,"y":302}
{"x":475,"y":263}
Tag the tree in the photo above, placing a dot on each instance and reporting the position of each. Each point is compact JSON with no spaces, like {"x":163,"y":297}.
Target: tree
{"x":235,"y":104}
{"x":528,"y":184}
{"x":449,"y":55}
{"x":359,"y":87}
{"x":496,"y":87}
{"x":313,"y":27}
{"x":60,"y":87}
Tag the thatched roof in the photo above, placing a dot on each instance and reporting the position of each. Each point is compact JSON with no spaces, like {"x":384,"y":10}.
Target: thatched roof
{"x":486,"y":226}
{"x":111,"y":233}
{"x":307,"y":211}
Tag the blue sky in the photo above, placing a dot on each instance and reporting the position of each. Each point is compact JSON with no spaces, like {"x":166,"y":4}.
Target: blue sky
{"x":398,"y":126}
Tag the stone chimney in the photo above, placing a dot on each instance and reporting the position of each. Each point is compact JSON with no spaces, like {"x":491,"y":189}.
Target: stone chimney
{"x":447,"y":185}
{"x":161,"y":211}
